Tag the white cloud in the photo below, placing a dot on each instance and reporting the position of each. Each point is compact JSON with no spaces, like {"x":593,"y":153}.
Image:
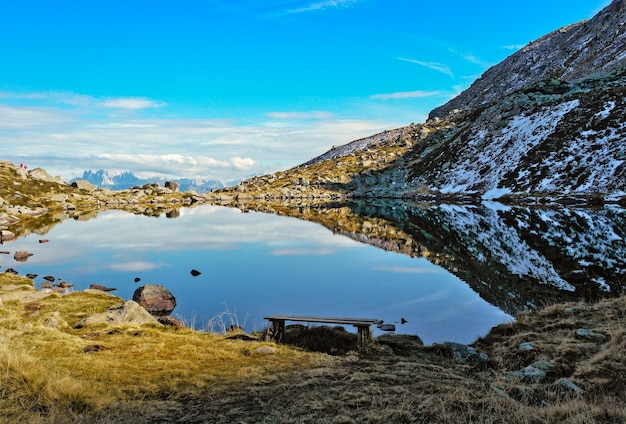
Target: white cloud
{"x":134,"y":266}
{"x":439,"y":67}
{"x":131,"y":103}
{"x":243,"y":164}
{"x":405,"y":95}
{"x":322,"y":5}
{"x":66,"y":134}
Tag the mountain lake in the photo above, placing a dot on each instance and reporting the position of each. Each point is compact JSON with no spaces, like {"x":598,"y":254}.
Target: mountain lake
{"x":454,"y":272}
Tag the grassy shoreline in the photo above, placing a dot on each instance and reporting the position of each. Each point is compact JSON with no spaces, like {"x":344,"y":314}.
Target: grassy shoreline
{"x":52,"y":372}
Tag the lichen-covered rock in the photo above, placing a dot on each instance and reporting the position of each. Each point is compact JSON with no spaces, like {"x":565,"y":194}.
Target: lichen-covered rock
{"x":156,"y":299}
{"x":128,"y":312}
{"x":468,"y":355}
{"x":535,"y":372}
{"x":592,"y":336}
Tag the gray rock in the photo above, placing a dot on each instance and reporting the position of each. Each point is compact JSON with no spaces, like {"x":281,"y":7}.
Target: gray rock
{"x":566,"y":384}
{"x":386,"y":327}
{"x":592,"y":336}
{"x":156,"y":299}
{"x":128,"y":312}
{"x":526,"y":346}
{"x":101,"y":288}
{"x":535,"y":372}
{"x":265,"y":350}
{"x":467,"y":354}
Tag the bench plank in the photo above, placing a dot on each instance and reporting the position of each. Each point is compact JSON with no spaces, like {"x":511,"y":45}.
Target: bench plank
{"x":328,"y":320}
{"x":362,"y":324}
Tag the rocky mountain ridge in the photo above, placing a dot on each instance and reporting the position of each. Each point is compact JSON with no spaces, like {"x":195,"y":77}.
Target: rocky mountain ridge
{"x":572,"y":52}
{"x":519,"y":134}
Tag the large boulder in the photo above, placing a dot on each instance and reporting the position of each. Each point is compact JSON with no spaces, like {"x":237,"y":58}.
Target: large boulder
{"x":156,"y":299}
{"x":127,"y":312}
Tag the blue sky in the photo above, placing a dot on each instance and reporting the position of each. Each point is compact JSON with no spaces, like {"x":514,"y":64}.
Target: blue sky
{"x":227,"y":89}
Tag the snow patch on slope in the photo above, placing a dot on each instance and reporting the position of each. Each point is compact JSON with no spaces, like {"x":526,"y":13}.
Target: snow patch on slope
{"x":484,"y":164}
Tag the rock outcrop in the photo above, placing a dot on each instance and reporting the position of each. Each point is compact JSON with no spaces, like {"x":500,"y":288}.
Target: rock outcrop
{"x":128,"y":312}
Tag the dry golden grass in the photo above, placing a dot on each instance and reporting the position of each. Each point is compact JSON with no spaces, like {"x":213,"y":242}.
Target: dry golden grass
{"x":51,"y":372}
{"x":49,"y":369}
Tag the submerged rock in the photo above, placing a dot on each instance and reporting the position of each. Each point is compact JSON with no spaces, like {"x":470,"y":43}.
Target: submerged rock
{"x":101,"y":288}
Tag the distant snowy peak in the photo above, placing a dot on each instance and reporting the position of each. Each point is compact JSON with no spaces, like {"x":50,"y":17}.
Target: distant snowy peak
{"x":115,"y":180}
{"x":110,"y":179}
{"x":572,"y":52}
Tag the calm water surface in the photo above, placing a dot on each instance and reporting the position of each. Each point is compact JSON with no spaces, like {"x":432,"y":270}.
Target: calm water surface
{"x":255,"y":264}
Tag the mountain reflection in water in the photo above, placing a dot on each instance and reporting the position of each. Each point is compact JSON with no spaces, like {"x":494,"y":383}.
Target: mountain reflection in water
{"x":452,"y":271}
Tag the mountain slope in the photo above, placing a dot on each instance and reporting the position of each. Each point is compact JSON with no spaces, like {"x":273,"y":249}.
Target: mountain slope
{"x":548,"y":121}
{"x":572,"y":52}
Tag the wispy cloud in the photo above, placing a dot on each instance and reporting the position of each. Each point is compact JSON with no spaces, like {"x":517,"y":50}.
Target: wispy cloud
{"x":300,"y":115}
{"x":72,"y":99}
{"x":320,"y":5}
{"x":405,"y":95}
{"x":513,"y":46}
{"x":131,"y":103}
{"x":439,"y":67}
{"x":476,"y":61}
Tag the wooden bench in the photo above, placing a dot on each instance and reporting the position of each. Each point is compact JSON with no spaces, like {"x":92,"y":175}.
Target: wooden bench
{"x":362,"y":324}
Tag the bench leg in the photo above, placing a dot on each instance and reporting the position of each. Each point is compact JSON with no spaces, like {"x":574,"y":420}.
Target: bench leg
{"x":364,"y":337}
{"x":278,"y":328}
